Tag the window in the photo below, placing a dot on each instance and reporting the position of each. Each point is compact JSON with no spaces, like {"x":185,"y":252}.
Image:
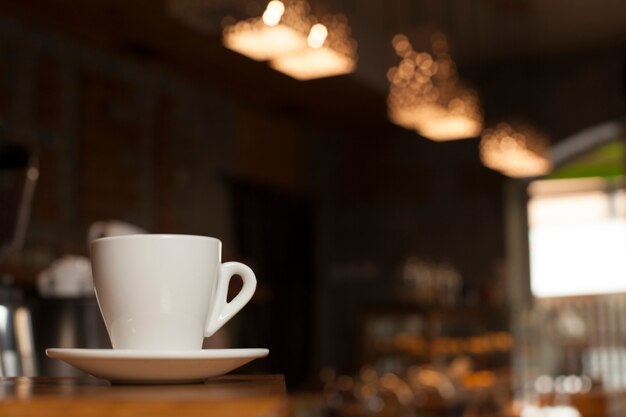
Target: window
{"x":577,"y":235}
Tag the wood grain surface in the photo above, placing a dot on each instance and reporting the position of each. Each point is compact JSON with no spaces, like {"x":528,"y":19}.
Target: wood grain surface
{"x":262,"y":396}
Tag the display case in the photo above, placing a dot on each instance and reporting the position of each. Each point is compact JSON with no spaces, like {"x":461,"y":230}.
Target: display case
{"x":395,"y":337}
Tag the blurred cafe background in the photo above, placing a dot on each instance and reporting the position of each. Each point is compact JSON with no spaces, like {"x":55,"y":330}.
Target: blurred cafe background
{"x":431,"y":193}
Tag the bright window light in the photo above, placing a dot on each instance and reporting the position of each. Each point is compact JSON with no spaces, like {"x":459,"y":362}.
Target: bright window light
{"x":577,"y":238}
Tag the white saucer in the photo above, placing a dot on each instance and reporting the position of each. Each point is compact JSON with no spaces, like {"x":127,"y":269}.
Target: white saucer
{"x":156,"y":367}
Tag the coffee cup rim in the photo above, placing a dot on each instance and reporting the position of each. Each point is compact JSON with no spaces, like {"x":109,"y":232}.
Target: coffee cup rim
{"x":155,"y":236}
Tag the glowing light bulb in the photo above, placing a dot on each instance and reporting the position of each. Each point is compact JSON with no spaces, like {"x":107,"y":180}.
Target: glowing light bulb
{"x":317,"y":36}
{"x":273,"y":12}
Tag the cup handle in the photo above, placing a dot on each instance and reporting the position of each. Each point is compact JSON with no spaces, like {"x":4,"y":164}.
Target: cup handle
{"x":222,"y":309}
{"x":96,"y":230}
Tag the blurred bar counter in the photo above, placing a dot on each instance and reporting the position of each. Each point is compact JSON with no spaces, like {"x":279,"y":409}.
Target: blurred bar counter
{"x":596,"y":403}
{"x":593,"y":404}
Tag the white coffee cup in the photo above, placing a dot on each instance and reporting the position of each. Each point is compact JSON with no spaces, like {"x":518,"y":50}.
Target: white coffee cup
{"x":165,"y":292}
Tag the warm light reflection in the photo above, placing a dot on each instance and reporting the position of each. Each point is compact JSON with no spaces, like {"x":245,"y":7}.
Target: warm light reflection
{"x":549,"y":411}
{"x":426,"y":94}
{"x":282,"y":29}
{"x":515,"y":152}
{"x":293,"y":42}
{"x":314,"y":63}
{"x":330,"y":52}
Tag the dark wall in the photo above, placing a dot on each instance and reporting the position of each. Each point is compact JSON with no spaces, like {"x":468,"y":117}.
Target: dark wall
{"x":392,"y":196}
{"x":560,"y":93}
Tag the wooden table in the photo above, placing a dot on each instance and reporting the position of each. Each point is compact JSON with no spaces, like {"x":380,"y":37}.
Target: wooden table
{"x":236,"y":396}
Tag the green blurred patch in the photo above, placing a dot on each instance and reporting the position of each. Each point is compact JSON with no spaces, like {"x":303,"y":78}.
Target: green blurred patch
{"x":606,"y":161}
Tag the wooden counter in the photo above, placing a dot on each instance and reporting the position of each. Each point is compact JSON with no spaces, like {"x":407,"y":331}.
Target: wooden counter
{"x":241,"y":396}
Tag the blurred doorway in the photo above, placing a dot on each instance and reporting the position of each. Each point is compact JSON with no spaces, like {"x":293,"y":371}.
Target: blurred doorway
{"x":569,"y":230}
{"x":274,"y":235}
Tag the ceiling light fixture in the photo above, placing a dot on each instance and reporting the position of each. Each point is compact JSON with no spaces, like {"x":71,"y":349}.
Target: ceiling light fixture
{"x":294,"y":42}
{"x":330,"y":52}
{"x":427,"y":96}
{"x":516,"y":152}
{"x":281,"y":29}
